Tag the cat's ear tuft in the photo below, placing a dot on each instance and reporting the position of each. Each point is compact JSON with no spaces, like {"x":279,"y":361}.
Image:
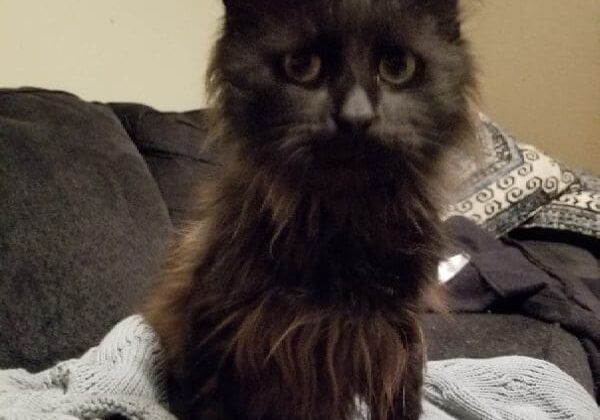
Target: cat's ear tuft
{"x":442,"y":6}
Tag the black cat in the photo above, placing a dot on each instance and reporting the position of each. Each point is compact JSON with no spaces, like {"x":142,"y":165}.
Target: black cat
{"x":298,"y":289}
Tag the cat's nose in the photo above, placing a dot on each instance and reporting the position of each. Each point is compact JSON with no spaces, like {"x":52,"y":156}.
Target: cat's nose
{"x":356,"y":112}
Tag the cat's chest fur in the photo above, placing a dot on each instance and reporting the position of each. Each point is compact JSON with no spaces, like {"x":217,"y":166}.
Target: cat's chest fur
{"x":362,"y":245}
{"x":300,"y":320}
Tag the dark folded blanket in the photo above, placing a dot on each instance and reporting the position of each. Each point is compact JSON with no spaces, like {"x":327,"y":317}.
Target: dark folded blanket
{"x":504,"y":276}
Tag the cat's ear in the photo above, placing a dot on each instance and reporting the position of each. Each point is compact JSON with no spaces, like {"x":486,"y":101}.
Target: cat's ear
{"x":447,"y":6}
{"x":244,"y":11}
{"x":239,"y":13}
{"x":233,"y":5}
{"x":447,"y":14}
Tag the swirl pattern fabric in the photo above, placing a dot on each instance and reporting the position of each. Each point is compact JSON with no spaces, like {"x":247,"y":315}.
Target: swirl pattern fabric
{"x":514,"y":185}
{"x":577,"y":210}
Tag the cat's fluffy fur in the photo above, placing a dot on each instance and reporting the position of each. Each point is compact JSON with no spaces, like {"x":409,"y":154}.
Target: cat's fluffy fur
{"x":298,"y":288}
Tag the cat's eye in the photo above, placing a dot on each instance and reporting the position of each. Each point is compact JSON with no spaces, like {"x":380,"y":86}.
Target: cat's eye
{"x":302,"y":67}
{"x":397,"y":68}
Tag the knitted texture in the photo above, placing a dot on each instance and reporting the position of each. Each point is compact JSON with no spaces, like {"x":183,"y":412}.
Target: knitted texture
{"x":124,"y":375}
{"x":506,"y":388}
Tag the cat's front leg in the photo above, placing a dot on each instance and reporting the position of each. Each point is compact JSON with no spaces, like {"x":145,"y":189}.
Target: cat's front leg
{"x":193,"y":398}
{"x":407,"y":407}
{"x":408,"y":404}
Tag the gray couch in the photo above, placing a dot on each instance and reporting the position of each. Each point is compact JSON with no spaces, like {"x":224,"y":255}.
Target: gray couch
{"x":89,"y":195}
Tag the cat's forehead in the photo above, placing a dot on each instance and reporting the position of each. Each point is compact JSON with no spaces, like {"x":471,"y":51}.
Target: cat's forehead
{"x":358,"y":15}
{"x":285,"y":21}
{"x":340,"y":11}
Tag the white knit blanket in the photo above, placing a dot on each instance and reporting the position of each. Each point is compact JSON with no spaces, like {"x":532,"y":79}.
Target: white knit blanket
{"x":124,"y":375}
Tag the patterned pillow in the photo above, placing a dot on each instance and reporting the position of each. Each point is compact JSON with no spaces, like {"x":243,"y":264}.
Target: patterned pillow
{"x":577,"y":210}
{"x":509,"y":184}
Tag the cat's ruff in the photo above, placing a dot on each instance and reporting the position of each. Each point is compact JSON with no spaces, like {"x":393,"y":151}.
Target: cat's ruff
{"x":124,"y":375}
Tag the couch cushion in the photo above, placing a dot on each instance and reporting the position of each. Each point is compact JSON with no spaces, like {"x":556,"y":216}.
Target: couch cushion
{"x":172,"y":145}
{"x":82,"y":226}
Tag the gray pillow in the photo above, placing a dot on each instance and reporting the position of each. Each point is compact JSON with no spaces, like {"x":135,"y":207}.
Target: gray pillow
{"x":82,"y":226}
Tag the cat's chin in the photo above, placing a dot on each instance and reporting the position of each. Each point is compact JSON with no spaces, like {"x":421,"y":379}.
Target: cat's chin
{"x":349,"y":152}
{"x":347,"y":158}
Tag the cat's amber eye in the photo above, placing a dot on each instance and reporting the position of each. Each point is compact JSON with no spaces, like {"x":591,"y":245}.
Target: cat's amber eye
{"x":397,"y":68}
{"x":302,"y":67}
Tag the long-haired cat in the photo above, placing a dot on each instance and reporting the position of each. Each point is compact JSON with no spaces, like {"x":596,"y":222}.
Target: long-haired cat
{"x":297,"y":291}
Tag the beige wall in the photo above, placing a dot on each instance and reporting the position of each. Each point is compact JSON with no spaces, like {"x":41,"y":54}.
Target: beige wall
{"x":540,"y":59}
{"x":151,"y":51}
{"x":540,"y":72}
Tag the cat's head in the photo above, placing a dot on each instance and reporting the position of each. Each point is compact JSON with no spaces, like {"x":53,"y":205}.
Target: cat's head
{"x":314,"y":84}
